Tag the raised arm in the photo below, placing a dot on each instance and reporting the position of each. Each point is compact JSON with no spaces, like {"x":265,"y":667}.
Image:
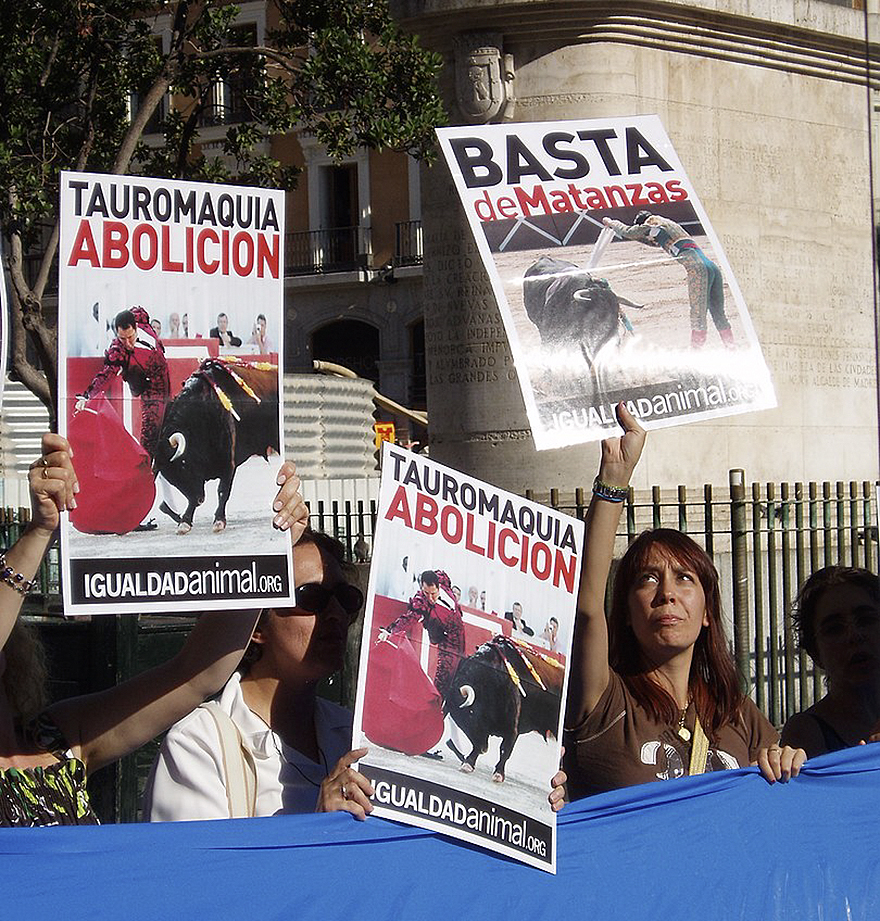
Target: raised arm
{"x":105,"y":726}
{"x":52,"y":487}
{"x":639,"y":232}
{"x":589,"y":676}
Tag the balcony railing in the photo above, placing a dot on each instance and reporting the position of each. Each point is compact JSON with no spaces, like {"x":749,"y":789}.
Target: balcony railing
{"x":318,"y":252}
{"x":408,"y":245}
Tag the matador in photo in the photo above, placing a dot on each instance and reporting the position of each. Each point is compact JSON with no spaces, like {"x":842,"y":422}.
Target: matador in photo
{"x":705,"y":282}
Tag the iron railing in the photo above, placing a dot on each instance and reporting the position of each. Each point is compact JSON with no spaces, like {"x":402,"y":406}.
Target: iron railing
{"x":765,"y":538}
{"x":316,"y":252}
{"x":408,"y":243}
{"x":48,"y":579}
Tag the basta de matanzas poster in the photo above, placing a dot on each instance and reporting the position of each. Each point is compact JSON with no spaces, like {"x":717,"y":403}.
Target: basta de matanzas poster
{"x":464,"y":658}
{"x":170,"y":329}
{"x":611,"y":281}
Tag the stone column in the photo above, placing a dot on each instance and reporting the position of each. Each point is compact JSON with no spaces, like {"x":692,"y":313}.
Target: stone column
{"x":477,"y":418}
{"x":773,"y":132}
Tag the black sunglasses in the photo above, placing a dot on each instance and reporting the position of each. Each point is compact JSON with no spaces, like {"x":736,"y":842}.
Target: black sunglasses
{"x":315,"y":597}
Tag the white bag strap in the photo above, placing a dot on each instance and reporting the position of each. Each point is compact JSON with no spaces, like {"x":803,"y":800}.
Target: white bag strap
{"x":238,"y":764}
{"x":699,"y":750}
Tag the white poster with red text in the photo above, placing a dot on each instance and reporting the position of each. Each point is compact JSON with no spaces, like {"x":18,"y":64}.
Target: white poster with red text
{"x":464,"y":658}
{"x":611,"y":281}
{"x":170,"y":324}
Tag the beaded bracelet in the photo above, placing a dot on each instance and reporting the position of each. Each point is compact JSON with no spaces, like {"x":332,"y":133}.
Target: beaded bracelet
{"x":609,"y":493}
{"x":14,"y":579}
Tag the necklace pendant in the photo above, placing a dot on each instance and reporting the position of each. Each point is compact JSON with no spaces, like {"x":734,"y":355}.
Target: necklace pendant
{"x":684,"y":733}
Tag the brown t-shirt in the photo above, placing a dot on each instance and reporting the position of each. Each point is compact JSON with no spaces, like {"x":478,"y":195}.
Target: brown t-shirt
{"x":620,"y":744}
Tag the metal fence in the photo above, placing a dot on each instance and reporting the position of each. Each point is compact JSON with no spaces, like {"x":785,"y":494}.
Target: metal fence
{"x":765,"y":538}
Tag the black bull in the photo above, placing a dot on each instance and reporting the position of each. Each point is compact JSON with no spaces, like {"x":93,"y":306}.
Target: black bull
{"x":570,"y":306}
{"x":485,"y":700}
{"x":202,"y":439}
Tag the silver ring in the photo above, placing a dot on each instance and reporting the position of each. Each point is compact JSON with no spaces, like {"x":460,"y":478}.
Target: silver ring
{"x":44,"y":473}
{"x":44,"y":461}
{"x":344,"y":792}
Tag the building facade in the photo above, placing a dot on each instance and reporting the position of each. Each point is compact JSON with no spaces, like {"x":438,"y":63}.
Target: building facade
{"x":766,"y":104}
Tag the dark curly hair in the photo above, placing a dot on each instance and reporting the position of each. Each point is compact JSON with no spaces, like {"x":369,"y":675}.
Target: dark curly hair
{"x":803,"y":612}
{"x":25,"y":678}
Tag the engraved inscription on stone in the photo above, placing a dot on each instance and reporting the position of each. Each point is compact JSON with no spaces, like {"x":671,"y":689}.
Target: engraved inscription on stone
{"x":464,"y":331}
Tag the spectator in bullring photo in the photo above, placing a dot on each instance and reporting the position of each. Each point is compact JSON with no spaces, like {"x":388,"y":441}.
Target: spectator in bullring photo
{"x":515,"y":616}
{"x":264,"y":344}
{"x":222,"y":332}
{"x":549,"y":637}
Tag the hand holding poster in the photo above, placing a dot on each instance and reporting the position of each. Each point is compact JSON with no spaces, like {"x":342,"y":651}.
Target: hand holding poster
{"x":153,"y":420}
{"x":611,"y":281}
{"x":463,"y":671}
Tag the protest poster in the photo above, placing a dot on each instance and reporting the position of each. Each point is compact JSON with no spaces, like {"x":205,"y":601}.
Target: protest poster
{"x":170,"y":305}
{"x":610,"y":279}
{"x":463,"y":670}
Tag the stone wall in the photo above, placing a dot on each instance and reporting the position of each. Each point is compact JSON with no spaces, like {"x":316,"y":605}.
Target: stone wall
{"x":767,"y":107}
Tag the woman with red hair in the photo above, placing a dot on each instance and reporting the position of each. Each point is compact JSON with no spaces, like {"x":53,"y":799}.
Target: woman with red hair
{"x":654,"y":691}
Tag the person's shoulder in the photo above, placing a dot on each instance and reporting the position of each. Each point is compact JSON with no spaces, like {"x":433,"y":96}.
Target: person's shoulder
{"x":612,"y":705}
{"x":196,"y":723}
{"x":199,"y":721}
{"x":751,"y":715}
{"x":115,"y":350}
{"x":802,"y":730}
{"x":334,"y":715}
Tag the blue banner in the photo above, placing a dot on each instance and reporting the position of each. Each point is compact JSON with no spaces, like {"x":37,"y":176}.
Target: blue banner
{"x":723,"y":846}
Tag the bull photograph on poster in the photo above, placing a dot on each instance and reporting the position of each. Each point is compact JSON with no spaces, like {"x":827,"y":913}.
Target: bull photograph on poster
{"x":611,"y":281}
{"x":170,"y":329}
{"x":463,"y":670}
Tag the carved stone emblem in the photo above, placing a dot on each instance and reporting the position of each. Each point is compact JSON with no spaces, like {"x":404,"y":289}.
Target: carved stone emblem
{"x":483,"y":77}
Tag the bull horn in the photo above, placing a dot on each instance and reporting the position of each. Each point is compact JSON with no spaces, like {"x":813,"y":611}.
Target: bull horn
{"x":582,"y":294}
{"x":467,"y":692}
{"x":178,"y":442}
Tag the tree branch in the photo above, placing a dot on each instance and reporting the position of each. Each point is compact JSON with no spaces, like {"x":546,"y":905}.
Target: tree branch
{"x":50,"y":60}
{"x":283,"y":59}
{"x":136,"y":128}
{"x":21,"y":368}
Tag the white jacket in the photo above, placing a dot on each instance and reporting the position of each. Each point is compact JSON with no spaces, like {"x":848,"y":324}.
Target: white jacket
{"x":187,"y":780}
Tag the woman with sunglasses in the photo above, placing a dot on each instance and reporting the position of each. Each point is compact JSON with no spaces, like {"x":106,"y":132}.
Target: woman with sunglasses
{"x":291,"y":744}
{"x":48,"y":752}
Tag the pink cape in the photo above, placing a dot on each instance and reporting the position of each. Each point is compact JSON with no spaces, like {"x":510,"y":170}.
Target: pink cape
{"x":116,"y":483}
{"x":402,"y":708}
